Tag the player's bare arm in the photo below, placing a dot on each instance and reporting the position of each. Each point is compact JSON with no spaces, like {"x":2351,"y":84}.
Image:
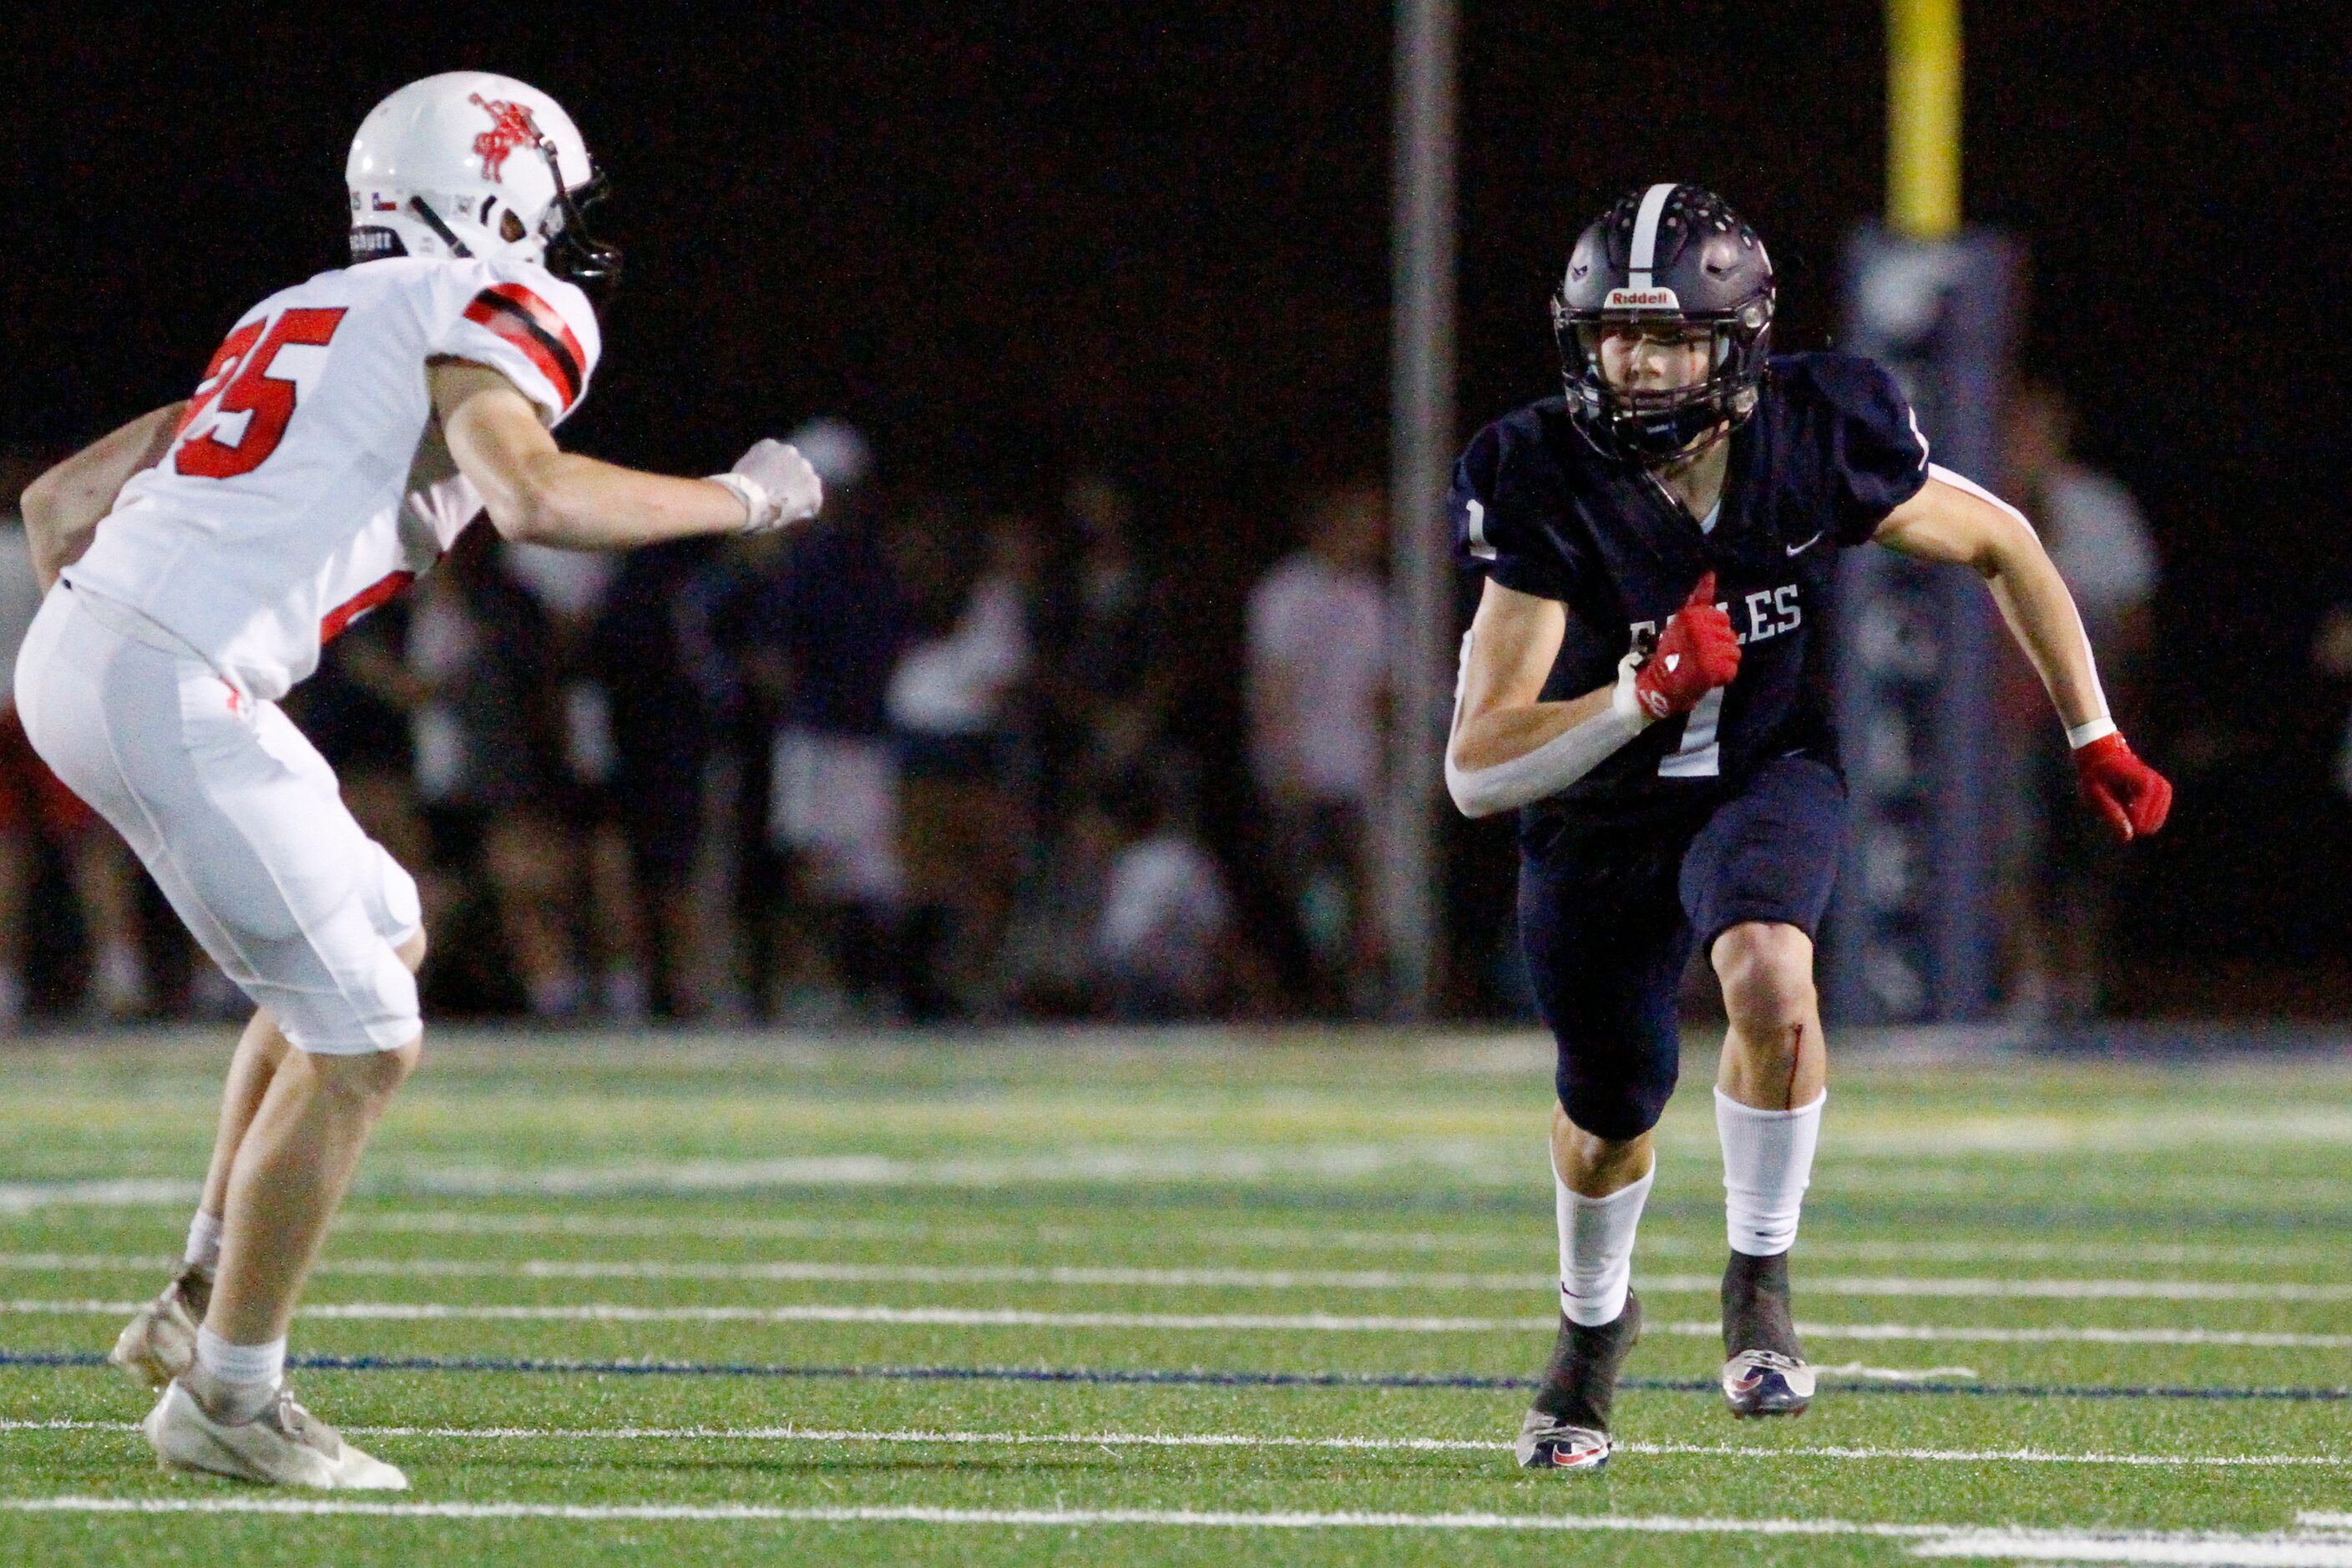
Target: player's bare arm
{"x":1509,"y":748}
{"x":1948,"y":524}
{"x":535,"y":491}
{"x":62,"y":508}
{"x":1951,"y":520}
{"x":1497,"y":716}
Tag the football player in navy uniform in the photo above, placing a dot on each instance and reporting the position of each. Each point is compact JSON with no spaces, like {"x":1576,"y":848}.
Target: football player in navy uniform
{"x":1646,"y":680}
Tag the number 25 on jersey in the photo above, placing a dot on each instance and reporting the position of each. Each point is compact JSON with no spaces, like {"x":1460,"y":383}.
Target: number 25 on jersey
{"x":243,"y":407}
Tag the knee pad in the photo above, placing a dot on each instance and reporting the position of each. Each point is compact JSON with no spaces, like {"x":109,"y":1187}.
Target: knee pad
{"x":390,"y":893}
{"x":373,"y":1007}
{"x":1619,"y":1095}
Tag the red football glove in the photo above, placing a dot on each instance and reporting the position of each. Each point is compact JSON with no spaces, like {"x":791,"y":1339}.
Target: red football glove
{"x":2134,"y":797}
{"x":1697,"y":652}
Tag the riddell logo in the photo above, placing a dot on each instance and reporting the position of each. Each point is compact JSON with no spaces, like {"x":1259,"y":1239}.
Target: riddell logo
{"x":511,"y":126}
{"x":1641,"y":300}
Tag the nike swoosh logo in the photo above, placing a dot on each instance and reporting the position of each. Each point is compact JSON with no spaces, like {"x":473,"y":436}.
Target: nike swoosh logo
{"x":1801,"y":549}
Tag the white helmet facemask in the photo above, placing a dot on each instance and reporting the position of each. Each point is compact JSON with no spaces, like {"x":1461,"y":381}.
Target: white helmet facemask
{"x":473,"y":163}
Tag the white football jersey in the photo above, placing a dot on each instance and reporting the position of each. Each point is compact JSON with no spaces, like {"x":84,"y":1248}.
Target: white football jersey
{"x":302,"y":491}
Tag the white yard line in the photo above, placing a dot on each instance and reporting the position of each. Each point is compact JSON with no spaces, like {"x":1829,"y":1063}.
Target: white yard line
{"x":23,"y":1197}
{"x":1465,"y":1160}
{"x":1253,"y":1441}
{"x":678,"y":1227}
{"x":1898,"y":1374}
{"x":1362,"y":1280}
{"x":1050,"y":1517}
{"x":1061,"y":1517}
{"x":2076,"y":1186}
{"x":462,"y":1222}
{"x":1303,"y":1323}
{"x":803,"y":1272}
{"x":2038,"y":1289}
{"x":1884,"y":1136}
{"x":2208,"y":1549}
{"x":2196,"y":1549}
{"x":2245,"y":1339}
{"x":818,"y":1312}
{"x":2173,"y":1255}
{"x":1469,"y":1161}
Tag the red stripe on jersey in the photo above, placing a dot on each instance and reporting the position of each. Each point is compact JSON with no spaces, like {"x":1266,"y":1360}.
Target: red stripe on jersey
{"x":542,"y":315}
{"x":532,"y":325}
{"x":339,"y":620}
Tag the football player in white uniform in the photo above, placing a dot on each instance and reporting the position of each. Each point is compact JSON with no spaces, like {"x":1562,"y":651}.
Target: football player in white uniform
{"x":345,"y":431}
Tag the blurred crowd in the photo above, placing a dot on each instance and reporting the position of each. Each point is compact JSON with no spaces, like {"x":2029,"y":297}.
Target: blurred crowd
{"x":930,"y":759}
{"x":918,"y":762}
{"x":2060,"y":872}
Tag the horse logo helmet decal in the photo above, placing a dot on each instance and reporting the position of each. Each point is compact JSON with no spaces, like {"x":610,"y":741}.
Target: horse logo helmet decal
{"x":511,"y":126}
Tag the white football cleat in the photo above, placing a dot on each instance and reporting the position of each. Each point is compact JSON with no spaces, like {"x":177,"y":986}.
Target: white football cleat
{"x":159,"y":1343}
{"x":1548,"y":1444}
{"x":1766,"y":1382}
{"x":284,"y":1446}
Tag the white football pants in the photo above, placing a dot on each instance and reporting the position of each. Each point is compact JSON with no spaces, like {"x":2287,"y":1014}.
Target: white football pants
{"x":235,"y":815}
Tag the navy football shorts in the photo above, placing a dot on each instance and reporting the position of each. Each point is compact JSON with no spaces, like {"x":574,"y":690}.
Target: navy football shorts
{"x":1608,"y":917}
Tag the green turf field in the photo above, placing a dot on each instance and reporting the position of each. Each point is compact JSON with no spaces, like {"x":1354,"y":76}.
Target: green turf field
{"x":1114,"y":1299}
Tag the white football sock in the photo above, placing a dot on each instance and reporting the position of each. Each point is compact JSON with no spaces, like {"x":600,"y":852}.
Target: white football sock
{"x":1768,"y":1162}
{"x":235,"y":1383}
{"x":204,"y":1242}
{"x":1596,"y":1249}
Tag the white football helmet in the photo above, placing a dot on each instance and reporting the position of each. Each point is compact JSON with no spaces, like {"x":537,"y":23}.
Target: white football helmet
{"x":473,"y":163}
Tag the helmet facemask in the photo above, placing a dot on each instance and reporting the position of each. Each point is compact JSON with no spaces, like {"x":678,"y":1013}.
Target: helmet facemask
{"x":573,"y":253}
{"x":1650,"y":424}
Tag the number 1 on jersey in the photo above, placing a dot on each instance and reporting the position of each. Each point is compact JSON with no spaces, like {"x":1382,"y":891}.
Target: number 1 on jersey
{"x":1699,"y":756}
{"x":238,"y":382}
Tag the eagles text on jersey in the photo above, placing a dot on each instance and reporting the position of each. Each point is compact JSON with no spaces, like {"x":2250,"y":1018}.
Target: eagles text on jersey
{"x":1831,"y":448}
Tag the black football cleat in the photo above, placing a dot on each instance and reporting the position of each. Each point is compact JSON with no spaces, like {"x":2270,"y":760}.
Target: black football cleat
{"x":1764,"y":1372}
{"x":1568,"y":1429}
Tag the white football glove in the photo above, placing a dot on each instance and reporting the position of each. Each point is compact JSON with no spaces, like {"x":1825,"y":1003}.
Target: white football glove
{"x":776,"y":486}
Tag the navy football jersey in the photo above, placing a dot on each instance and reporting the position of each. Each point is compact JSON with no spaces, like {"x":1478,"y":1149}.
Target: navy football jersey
{"x":1831,"y":449}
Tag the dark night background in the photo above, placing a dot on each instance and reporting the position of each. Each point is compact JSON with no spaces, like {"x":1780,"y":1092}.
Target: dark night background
{"x":1009,"y":240}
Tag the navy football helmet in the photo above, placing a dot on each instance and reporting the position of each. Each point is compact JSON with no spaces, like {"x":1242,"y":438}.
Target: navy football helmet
{"x":1665,"y":257}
